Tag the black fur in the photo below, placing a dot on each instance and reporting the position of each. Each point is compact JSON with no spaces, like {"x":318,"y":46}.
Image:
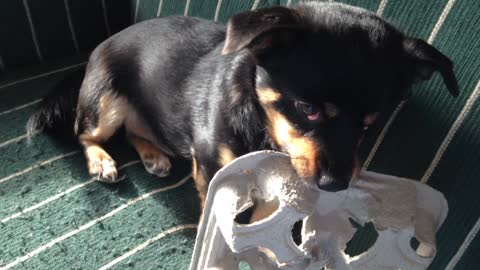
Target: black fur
{"x":56,"y":112}
{"x":195,"y":82}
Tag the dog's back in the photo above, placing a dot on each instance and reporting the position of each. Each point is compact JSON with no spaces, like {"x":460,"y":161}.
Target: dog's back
{"x":149,"y":64}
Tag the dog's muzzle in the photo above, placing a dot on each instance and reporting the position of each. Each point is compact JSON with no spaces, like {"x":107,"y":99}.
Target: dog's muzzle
{"x":328,"y":183}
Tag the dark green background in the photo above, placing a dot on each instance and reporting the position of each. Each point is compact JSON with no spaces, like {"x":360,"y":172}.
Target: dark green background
{"x":407,"y":150}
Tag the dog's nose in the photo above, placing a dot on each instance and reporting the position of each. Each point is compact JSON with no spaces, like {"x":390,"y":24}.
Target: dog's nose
{"x":329,"y":183}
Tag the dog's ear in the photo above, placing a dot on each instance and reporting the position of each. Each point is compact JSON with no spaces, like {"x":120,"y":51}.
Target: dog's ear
{"x":261,"y":29}
{"x":424,"y":60}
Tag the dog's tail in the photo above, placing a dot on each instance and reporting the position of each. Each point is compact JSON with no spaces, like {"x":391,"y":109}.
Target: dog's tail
{"x":56,"y":112}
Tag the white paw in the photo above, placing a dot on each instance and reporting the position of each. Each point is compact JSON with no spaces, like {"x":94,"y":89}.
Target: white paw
{"x":103,"y":170}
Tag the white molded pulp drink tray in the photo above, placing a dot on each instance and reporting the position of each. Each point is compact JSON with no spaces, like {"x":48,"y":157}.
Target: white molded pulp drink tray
{"x":399,"y":209}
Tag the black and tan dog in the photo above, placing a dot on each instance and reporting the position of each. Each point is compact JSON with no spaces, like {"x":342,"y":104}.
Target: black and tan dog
{"x":307,"y":80}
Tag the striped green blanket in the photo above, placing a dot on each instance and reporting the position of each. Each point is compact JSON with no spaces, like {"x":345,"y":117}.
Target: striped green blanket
{"x":53,"y":216}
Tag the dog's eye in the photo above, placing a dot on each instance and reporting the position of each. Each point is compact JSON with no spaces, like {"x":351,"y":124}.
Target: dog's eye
{"x":311,"y":111}
{"x":309,"y":108}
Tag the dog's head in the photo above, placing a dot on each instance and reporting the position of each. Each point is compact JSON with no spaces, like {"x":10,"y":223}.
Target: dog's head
{"x":324,"y":74}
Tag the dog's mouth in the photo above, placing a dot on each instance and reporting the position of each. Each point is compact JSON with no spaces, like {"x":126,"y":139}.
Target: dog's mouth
{"x":329,"y":183}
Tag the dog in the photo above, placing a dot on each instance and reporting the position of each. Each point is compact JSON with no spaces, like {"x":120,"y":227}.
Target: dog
{"x":307,"y":81}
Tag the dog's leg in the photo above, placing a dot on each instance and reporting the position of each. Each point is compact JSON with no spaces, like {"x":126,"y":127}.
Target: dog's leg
{"x":100,"y":163}
{"x":110,"y":113}
{"x":206,"y":164}
{"x":141,"y":137}
{"x":154,"y":160}
{"x":201,"y":180}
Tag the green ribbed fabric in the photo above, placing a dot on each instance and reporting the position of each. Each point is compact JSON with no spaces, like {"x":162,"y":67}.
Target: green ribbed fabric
{"x":119,"y":14}
{"x":457,"y":177}
{"x":267,"y":3}
{"x":203,"y":8}
{"x":416,"y":17}
{"x":371,"y":5}
{"x":105,"y":241}
{"x":407,"y":150}
{"x":173,"y":7}
{"x":88,"y":32}
{"x":470,"y":258}
{"x":17,"y":47}
{"x":52,"y":31}
{"x":147,"y":9}
{"x":231,"y":7}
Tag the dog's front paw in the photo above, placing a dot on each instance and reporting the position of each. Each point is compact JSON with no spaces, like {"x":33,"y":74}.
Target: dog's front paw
{"x":156,"y":163}
{"x":103,"y":169}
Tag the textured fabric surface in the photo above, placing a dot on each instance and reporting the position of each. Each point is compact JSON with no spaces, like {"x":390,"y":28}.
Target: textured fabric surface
{"x":52,"y":178}
{"x":34,"y":32}
{"x":434,"y":138}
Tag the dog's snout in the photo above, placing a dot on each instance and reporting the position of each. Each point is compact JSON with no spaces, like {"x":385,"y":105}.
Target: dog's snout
{"x":329,"y":183}
{"x":332,"y":178}
{"x":332,"y":184}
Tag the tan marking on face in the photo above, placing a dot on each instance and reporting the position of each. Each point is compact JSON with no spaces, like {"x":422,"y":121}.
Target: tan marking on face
{"x":304,"y":151}
{"x":370,"y":119}
{"x":268,"y":95}
{"x":225,"y":154}
{"x":331,"y":110}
